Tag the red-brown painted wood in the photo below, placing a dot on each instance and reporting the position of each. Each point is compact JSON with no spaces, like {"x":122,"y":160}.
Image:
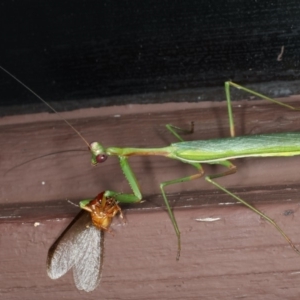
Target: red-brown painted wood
{"x":238,"y":256}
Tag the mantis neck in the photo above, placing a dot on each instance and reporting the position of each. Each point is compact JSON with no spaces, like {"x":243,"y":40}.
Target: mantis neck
{"x":165,"y":151}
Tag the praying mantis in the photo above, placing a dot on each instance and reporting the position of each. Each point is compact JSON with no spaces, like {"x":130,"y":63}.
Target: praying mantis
{"x":215,"y":151}
{"x":195,"y":153}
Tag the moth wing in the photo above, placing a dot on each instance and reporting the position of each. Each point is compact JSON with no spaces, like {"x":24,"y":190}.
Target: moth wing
{"x":65,"y":251}
{"x":88,"y":266}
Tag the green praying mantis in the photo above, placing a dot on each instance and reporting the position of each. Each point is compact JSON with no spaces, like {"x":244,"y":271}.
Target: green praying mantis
{"x":195,"y":153}
{"x":215,"y":151}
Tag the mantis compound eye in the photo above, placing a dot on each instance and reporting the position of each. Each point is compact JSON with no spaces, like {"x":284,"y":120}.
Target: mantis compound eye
{"x":101,"y":158}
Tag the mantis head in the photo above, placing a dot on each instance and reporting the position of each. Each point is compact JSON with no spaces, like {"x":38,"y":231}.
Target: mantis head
{"x":99,"y":154}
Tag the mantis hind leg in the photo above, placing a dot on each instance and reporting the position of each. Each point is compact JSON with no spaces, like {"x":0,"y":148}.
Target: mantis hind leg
{"x":232,"y":170}
{"x":229,"y":84}
{"x":171,"y":214}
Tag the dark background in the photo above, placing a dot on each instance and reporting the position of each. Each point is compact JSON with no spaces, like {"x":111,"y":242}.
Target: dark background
{"x":98,"y":53}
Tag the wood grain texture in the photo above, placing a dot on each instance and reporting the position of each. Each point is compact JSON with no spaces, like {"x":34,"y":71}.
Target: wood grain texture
{"x":238,"y":256}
